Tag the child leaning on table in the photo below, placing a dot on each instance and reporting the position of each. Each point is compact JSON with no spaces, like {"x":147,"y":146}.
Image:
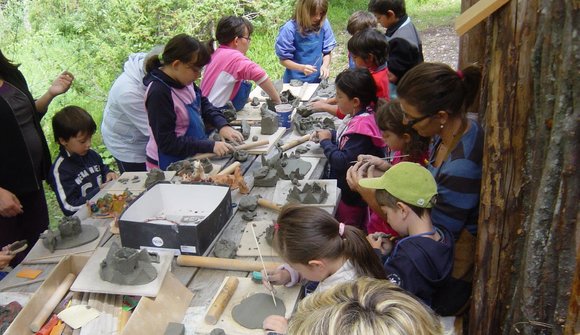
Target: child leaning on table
{"x":318,"y":248}
{"x":77,"y":172}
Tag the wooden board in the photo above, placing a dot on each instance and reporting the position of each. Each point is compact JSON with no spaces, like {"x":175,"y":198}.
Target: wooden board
{"x":138,"y":186}
{"x":250,"y":113}
{"x":272,"y":139}
{"x":246,"y":288}
{"x":477,"y":13}
{"x":39,"y":253}
{"x":247,"y":246}
{"x":283,"y":187}
{"x":305,"y":91}
{"x":90,"y":281}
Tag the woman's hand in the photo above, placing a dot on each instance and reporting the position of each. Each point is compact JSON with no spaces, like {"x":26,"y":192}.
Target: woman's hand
{"x":61,"y":84}
{"x":276,"y":323}
{"x":231,"y":134}
{"x":222,"y":148}
{"x":9,"y":204}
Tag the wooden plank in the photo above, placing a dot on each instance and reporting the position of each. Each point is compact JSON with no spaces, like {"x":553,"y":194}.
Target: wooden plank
{"x":477,"y":13}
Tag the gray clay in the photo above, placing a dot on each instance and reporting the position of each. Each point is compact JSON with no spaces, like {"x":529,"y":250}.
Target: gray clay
{"x":246,"y":129}
{"x":127,"y":266}
{"x":123,"y":180}
{"x":252,"y":311}
{"x":306,"y":125}
{"x":290,"y":167}
{"x":255,"y":101}
{"x":269,"y":179}
{"x":69,"y":234}
{"x":255,"y":138}
{"x":310,"y":194}
{"x":269,"y":123}
{"x":229,"y":111}
{"x":225,"y":249}
{"x":302,"y":150}
{"x":217,"y":331}
{"x":289,"y":98}
{"x":248,"y":203}
{"x":269,"y":234}
{"x":153,"y":177}
{"x":206,"y":165}
{"x":249,"y":215}
{"x":241,"y":155}
{"x":304,"y":111}
{"x":174,"y":328}
{"x":296,"y":82}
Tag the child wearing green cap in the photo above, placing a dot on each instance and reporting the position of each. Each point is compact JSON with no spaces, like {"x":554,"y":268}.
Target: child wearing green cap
{"x":421,"y":262}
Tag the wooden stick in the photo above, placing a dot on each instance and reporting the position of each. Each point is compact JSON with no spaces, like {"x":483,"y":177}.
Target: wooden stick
{"x":56,"y":297}
{"x":295,"y":142}
{"x":239,"y":147}
{"x":29,"y":282}
{"x":221,"y":301}
{"x":230,"y":169}
{"x":263,"y":265}
{"x":269,"y":204}
{"x":224,"y":263}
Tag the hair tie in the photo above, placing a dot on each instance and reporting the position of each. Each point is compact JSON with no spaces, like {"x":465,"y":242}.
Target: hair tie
{"x":341,"y":229}
{"x":276,"y":226}
{"x":460,"y":74}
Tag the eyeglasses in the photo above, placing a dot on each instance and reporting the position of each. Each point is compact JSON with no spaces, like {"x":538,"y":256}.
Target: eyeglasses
{"x":247,"y":38}
{"x":411,"y":121}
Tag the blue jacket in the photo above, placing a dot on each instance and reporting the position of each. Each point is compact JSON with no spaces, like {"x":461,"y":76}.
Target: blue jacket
{"x":76,"y":179}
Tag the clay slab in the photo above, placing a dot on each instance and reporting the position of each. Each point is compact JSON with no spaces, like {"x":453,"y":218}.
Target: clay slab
{"x":247,"y":245}
{"x":89,"y":280}
{"x":255,"y":131}
{"x":283,"y":187}
{"x":135,"y":187}
{"x":314,"y":162}
{"x":246,"y":288}
{"x":305,"y":91}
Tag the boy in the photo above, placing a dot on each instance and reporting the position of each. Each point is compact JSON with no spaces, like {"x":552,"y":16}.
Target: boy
{"x":78,"y":172}
{"x":422,"y":261}
{"x":359,"y":21}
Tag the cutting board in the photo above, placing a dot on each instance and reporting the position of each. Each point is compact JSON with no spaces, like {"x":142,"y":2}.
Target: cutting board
{"x":305,"y":91}
{"x":246,"y":288}
{"x":272,"y":139}
{"x":89,"y":280}
{"x":283,"y":187}
{"x":248,"y":246}
{"x":139,"y":184}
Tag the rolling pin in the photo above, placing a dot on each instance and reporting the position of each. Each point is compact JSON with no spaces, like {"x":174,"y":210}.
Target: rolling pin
{"x":239,"y":147}
{"x":52,"y":302}
{"x":221,"y":301}
{"x":269,"y":204}
{"x":295,"y":142}
{"x":230,"y":169}
{"x":224,"y":263}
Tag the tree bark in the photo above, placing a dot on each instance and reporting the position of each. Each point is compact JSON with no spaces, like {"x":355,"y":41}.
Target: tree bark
{"x":526,"y":278}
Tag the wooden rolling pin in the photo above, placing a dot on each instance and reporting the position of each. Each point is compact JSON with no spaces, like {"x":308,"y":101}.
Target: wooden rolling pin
{"x":221,"y":301}
{"x":269,"y":204}
{"x":295,"y":142}
{"x":224,"y":263}
{"x":230,"y":169}
{"x":239,"y":147}
{"x":52,"y":302}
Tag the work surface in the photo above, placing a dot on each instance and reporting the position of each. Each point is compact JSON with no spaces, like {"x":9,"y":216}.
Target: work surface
{"x":204,"y":283}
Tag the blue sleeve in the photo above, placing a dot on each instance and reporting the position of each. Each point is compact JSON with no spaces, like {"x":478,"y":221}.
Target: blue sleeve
{"x":329,"y":42}
{"x":402,"y":272}
{"x":340,"y":159}
{"x":68,"y":193}
{"x":284,"y":46}
{"x":210,"y":113}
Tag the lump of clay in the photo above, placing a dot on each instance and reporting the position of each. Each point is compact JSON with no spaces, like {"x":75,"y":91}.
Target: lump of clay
{"x":304,"y":111}
{"x":255,"y":101}
{"x":306,"y":125}
{"x":288,"y":98}
{"x":127,"y":266}
{"x":246,"y":129}
{"x":296,"y":82}
{"x":292,"y":167}
{"x":225,"y":249}
{"x":310,"y":194}
{"x":249,"y":215}
{"x":325,"y":89}
{"x":248,"y":203}
{"x":217,"y":331}
{"x":206,"y":165}
{"x":265,"y":177}
{"x":269,"y":237}
{"x":69,"y":234}
{"x":252,"y":311}
{"x":229,"y":111}
{"x":241,"y":155}
{"x":269,"y":124}
{"x":153,"y":177}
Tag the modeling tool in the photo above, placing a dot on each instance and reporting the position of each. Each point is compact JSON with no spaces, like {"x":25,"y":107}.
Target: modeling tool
{"x":264,"y":266}
{"x":269,"y":204}
{"x":56,"y":297}
{"x":239,"y":147}
{"x":385,"y":158}
{"x":221,"y":301}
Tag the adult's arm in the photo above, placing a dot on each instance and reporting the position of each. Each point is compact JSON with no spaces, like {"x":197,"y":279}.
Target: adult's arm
{"x":59,"y":86}
{"x":9,"y":204}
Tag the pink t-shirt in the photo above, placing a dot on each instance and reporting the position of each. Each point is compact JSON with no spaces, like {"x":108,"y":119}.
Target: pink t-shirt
{"x":225,"y":72}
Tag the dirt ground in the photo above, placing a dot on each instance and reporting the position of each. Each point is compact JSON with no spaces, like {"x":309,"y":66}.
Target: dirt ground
{"x":440,"y":44}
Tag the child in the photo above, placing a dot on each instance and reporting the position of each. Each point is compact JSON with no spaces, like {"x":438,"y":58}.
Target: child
{"x":403,"y":144}
{"x":369,"y":49}
{"x":392,"y":15}
{"x":318,"y":248}
{"x":78,"y":172}
{"x":225,"y":77}
{"x":371,"y":307}
{"x":177,"y":110}
{"x":359,"y":21}
{"x":359,"y":134}
{"x":422,"y":261}
{"x":304,"y":43}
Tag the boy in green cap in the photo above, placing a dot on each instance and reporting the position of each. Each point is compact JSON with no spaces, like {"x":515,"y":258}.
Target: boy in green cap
{"x":421,"y":262}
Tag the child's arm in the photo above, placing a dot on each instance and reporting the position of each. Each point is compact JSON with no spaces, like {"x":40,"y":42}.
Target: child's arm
{"x":215,"y":117}
{"x":340,"y":159}
{"x":328,"y":45}
{"x":269,"y":88}
{"x":68,"y":193}
{"x":324,"y":106}
{"x":285,"y":50}
{"x":9,"y":204}
{"x":276,"y":323}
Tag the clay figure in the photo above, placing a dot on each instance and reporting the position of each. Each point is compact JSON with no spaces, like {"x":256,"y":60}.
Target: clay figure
{"x":245,"y":129}
{"x":229,"y":111}
{"x":255,"y":101}
{"x":306,"y":125}
{"x":304,"y":111}
{"x":249,"y":215}
{"x":292,"y":166}
{"x":248,"y":203}
{"x":252,"y":311}
{"x":206,"y":165}
{"x":69,"y":234}
{"x":153,"y":177}
{"x":270,"y":234}
{"x":310,"y":194}
{"x":225,"y":249}
{"x":127,"y":266}
{"x":296,"y":82}
{"x":255,"y":138}
{"x":241,"y":155}
{"x":265,"y":177}
{"x":269,"y":124}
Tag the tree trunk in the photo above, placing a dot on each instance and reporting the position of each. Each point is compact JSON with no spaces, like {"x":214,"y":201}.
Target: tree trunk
{"x":526,"y":279}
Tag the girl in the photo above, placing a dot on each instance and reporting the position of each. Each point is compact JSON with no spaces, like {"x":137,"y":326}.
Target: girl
{"x":403,"y":143}
{"x":318,"y":248}
{"x":176,"y":108}
{"x":304,"y":43}
{"x":225,"y":77}
{"x":369,"y":49}
{"x":359,"y":134}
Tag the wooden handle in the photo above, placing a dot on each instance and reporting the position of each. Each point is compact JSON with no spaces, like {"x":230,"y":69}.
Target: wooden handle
{"x":295,"y":142}
{"x":123,"y":318}
{"x":269,"y":204}
{"x":230,"y":169}
{"x":224,"y":263}
{"x":239,"y":147}
{"x":221,"y":301}
{"x":56,"y":297}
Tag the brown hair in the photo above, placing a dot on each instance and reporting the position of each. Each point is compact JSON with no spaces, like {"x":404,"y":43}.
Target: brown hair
{"x":305,"y":9}
{"x":384,"y":198}
{"x":184,"y":48}
{"x":70,"y":121}
{"x":389,"y":117}
{"x":434,"y":87}
{"x":359,"y":21}
{"x":307,"y":233}
{"x":230,"y":27}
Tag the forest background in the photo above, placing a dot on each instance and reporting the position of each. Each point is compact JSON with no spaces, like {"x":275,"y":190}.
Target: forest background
{"x":92,"y":39}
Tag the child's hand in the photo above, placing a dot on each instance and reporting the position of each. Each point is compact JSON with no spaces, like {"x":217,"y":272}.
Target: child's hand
{"x":324,"y":72}
{"x":276,"y":277}
{"x":314,"y":137}
{"x":380,"y":241}
{"x":324,"y":134}
{"x":317,"y":105}
{"x":276,"y":323}
{"x":222,"y":148}
{"x":231,"y":134}
{"x":9,"y":204}
{"x":308,"y":69}
{"x":111,"y":176}
{"x":375,"y":161}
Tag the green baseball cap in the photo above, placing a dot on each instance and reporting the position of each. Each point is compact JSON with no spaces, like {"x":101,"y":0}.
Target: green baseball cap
{"x":409,"y":182}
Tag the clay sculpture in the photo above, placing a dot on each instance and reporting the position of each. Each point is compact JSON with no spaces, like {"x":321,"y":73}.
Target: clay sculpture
{"x":269,"y":124}
{"x":225,"y":249}
{"x":229,"y":111}
{"x":206,"y":165}
{"x":292,"y":167}
{"x":306,"y":125}
{"x":245,"y":129}
{"x":310,"y":194}
{"x":127,"y":266}
{"x":110,"y":205}
{"x":153,"y":177}
{"x":69,"y":234}
{"x":252,"y":311}
{"x":241,"y":155}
